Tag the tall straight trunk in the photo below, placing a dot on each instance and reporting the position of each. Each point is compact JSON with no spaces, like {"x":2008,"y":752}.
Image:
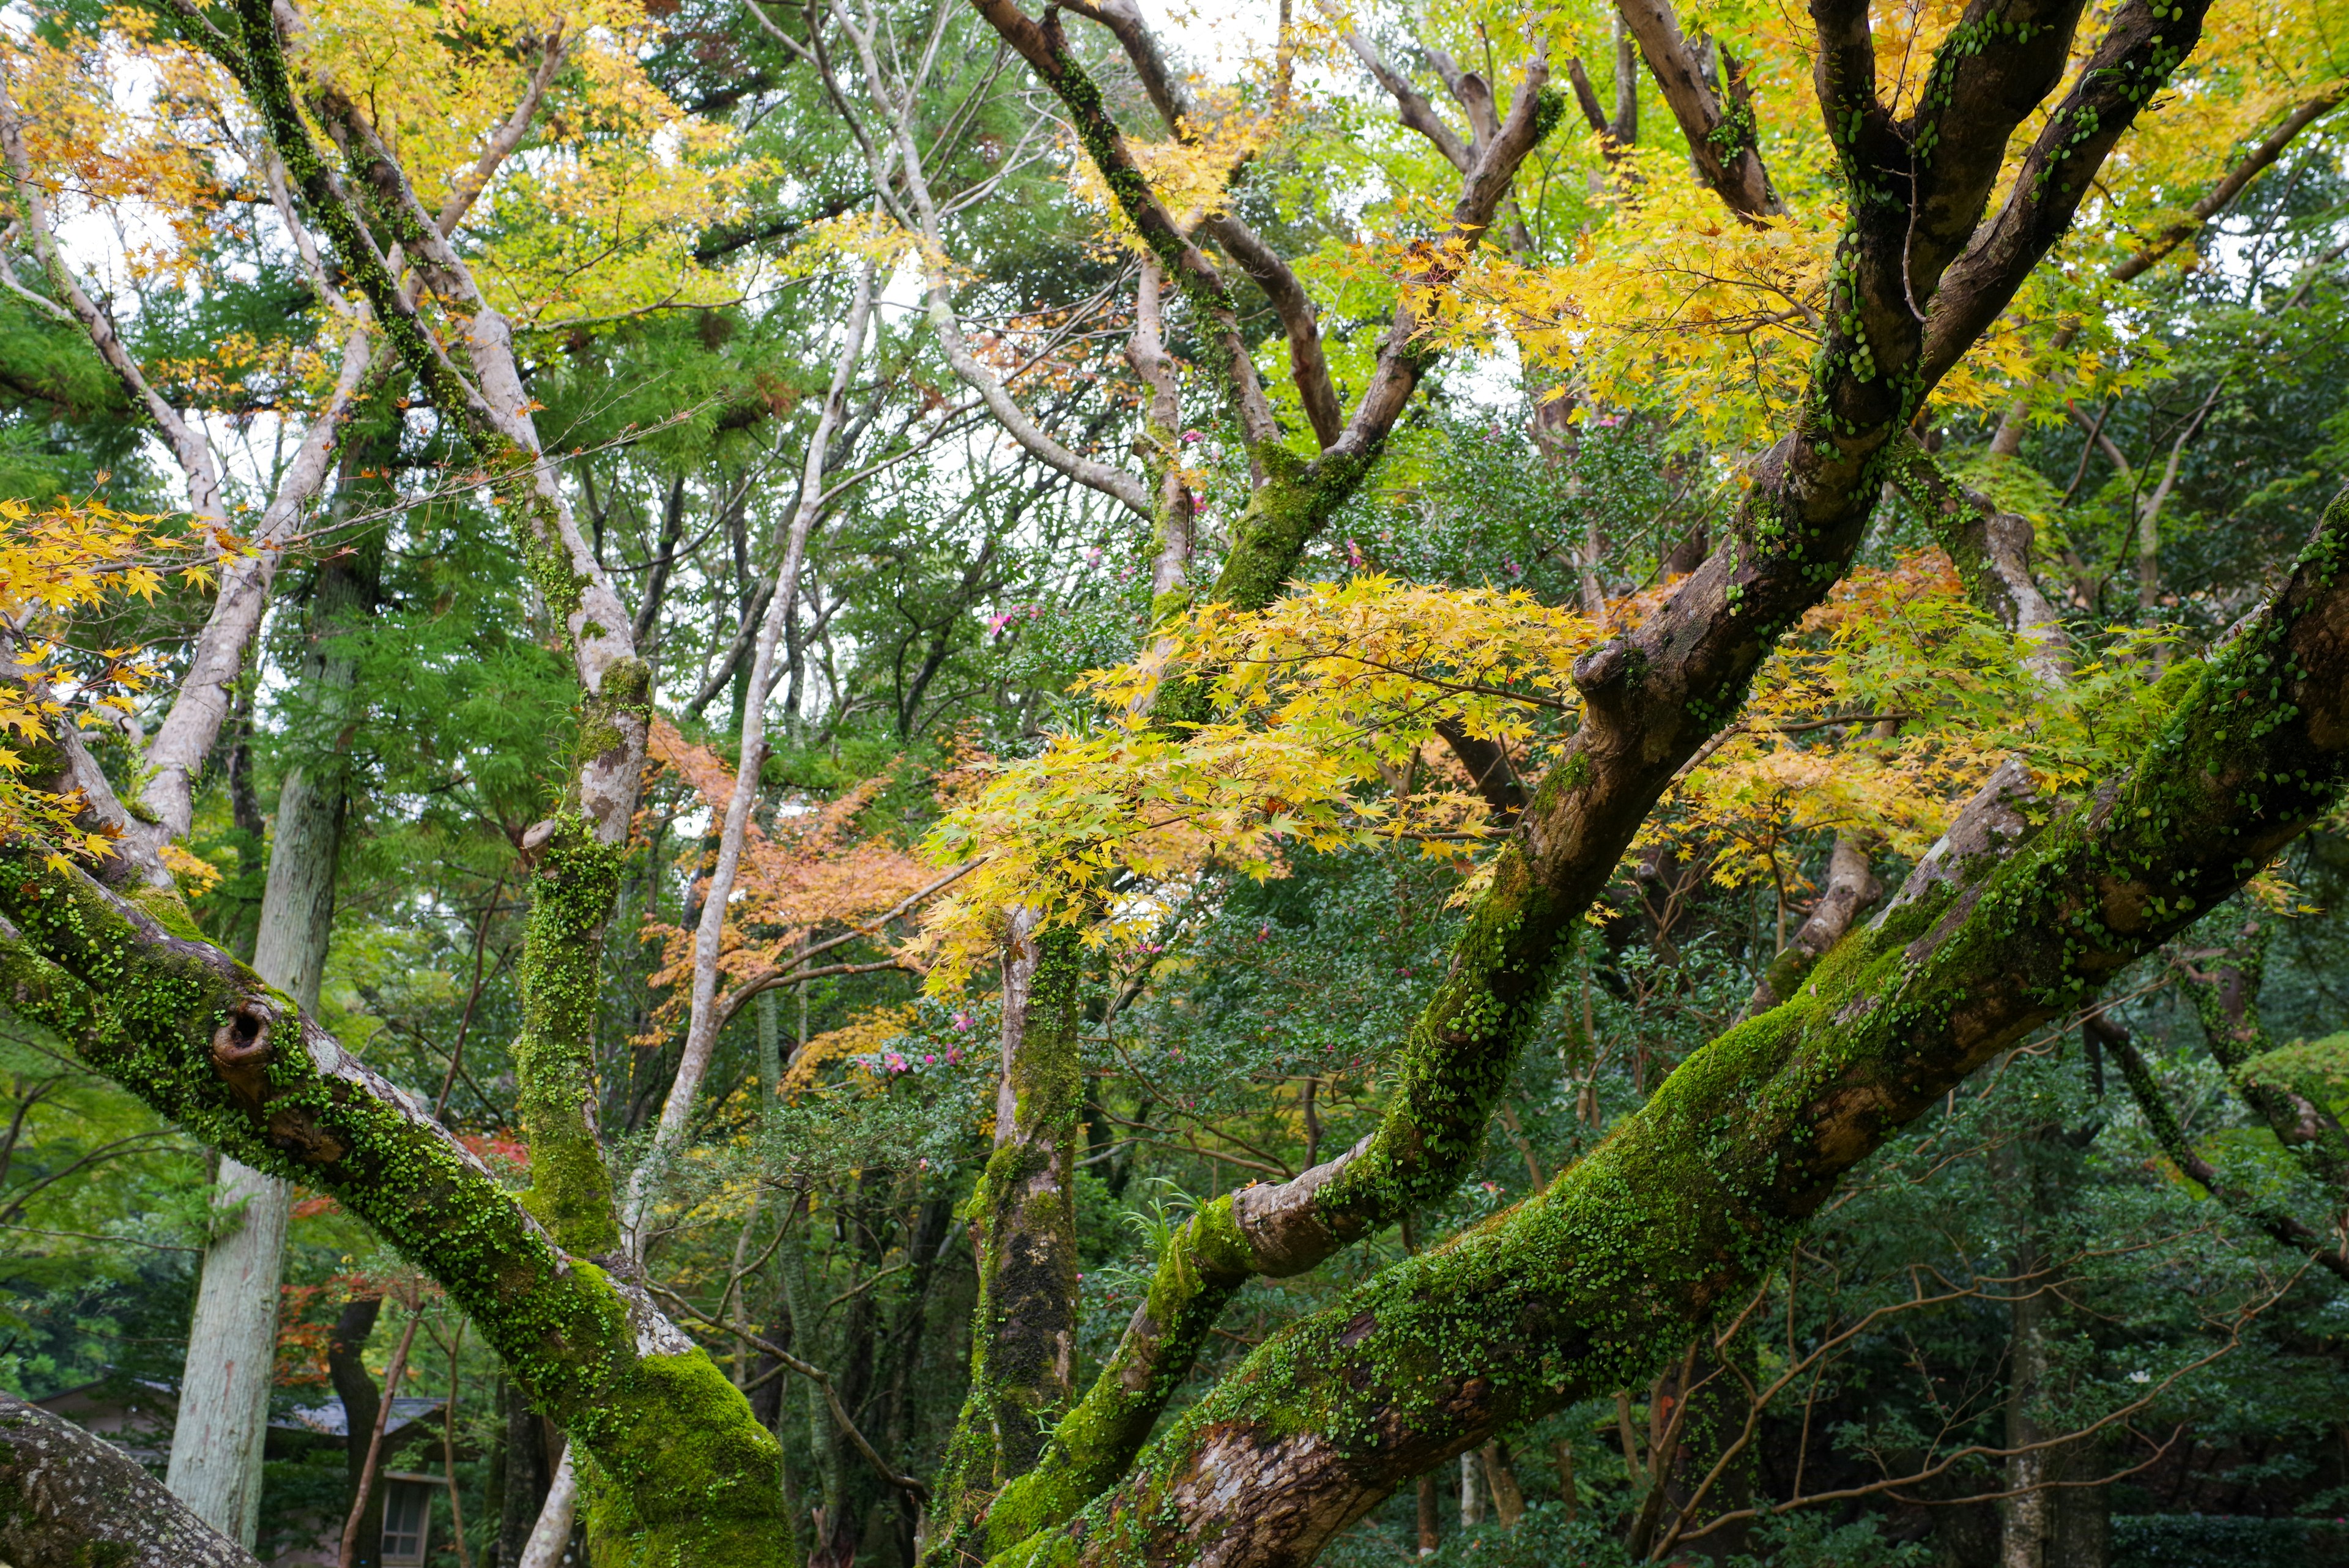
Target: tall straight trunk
{"x":216,"y":1447}
{"x":1023,"y":1333}
{"x":530,"y":1470}
{"x":215,"y":1465}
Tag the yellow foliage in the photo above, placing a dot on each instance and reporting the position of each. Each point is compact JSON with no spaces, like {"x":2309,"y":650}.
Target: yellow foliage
{"x":1669,"y":302}
{"x":66,"y":557}
{"x":194,"y":873}
{"x":862,"y":1036}
{"x":1881,"y":714}
{"x":596,"y":216}
{"x":1327,"y":703}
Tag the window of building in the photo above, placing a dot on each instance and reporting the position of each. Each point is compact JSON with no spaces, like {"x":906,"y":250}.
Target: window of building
{"x":406,"y":1523}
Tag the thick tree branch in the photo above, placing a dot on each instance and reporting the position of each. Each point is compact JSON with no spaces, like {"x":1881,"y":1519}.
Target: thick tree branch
{"x":1993,"y":70}
{"x":1992,"y":550}
{"x":1045,"y":48}
{"x":1309,"y":364}
{"x":578,"y":852}
{"x":1410,"y":105}
{"x":2224,"y":987}
{"x":196,"y":1036}
{"x":2140,"y":48}
{"x":75,"y":1498}
{"x":1694,"y":1197}
{"x":2285,"y":1229}
{"x":1721,"y":146}
{"x":1851,"y":887}
{"x":1652,"y":698}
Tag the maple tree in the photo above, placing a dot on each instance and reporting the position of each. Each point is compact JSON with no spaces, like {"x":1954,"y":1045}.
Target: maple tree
{"x":901,"y":372}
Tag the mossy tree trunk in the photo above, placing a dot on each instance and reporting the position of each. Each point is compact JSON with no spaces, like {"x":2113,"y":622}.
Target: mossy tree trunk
{"x":1023,"y":1229}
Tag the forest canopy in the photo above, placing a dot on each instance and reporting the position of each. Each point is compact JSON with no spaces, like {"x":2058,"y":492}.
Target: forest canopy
{"x":822,"y":781}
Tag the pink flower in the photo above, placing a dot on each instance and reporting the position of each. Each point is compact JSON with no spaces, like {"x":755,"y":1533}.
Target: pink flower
{"x":962,"y":1020}
{"x":928,"y":1060}
{"x":895,"y":1062}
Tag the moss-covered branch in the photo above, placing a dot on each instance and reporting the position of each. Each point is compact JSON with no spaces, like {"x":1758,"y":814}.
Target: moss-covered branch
{"x":579,"y":847}
{"x":681,"y":1468}
{"x":2224,"y":988}
{"x":1651,"y":697}
{"x":1593,"y":1285}
{"x":2284,"y":1228}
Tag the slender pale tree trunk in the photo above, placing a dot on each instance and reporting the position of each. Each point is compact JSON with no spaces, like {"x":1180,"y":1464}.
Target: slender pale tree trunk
{"x":701,"y":1030}
{"x":215,"y":1467}
{"x":216,"y":1448}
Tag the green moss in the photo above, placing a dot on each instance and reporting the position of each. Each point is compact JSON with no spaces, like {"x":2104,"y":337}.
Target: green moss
{"x":1025,"y":1319}
{"x":166,"y":908}
{"x":683,"y":1473}
{"x":695,"y":1473}
{"x":572,"y":891}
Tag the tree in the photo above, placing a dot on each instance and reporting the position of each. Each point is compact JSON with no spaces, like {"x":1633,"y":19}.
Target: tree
{"x":2066,"y":806}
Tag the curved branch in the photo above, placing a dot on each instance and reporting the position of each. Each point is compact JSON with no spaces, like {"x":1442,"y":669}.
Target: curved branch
{"x":2140,"y":48}
{"x":2284,"y":1229}
{"x":2230,"y":185}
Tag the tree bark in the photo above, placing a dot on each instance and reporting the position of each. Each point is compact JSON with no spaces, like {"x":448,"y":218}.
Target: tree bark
{"x":529,"y":1472}
{"x":1652,"y":696}
{"x":216,"y":1447}
{"x":69,"y":1498}
{"x":1023,"y":1334}
{"x":216,"y":1443}
{"x":355,"y":1386}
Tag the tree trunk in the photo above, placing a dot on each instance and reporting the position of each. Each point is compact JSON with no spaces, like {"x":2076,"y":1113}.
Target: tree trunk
{"x":529,"y":1471}
{"x":1023,"y":1350}
{"x":346,"y":1367}
{"x":215,"y":1465}
{"x":1501,"y":1480}
{"x":2052,"y":1520}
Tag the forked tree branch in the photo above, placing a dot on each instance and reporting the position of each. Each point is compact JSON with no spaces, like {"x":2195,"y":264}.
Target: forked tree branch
{"x":1721,"y":147}
{"x":1651,"y":697}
